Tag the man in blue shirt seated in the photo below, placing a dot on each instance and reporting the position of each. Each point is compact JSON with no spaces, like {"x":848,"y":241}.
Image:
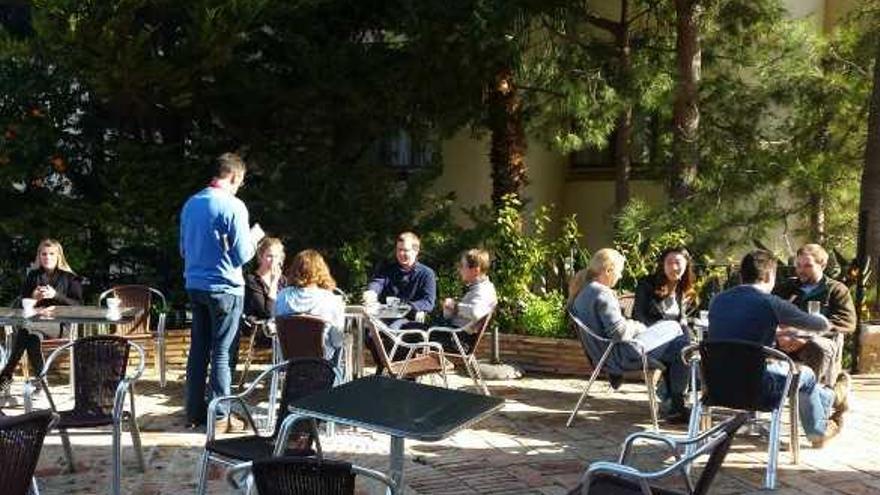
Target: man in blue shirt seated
{"x":408,"y":280}
{"x":750,"y":312}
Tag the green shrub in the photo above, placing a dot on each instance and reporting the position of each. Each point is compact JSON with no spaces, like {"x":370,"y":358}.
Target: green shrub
{"x":544,"y":315}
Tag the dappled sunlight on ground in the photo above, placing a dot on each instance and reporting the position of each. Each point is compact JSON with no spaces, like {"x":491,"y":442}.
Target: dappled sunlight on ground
{"x":525,"y":448}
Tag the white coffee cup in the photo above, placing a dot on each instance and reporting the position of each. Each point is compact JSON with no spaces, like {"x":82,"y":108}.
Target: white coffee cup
{"x":704,"y":316}
{"x":28,"y":306}
{"x":114,"y":304}
{"x":392,"y":301}
{"x":368,"y":297}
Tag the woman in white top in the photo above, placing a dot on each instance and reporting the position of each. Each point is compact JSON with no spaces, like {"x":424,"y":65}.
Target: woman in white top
{"x":310,"y":292}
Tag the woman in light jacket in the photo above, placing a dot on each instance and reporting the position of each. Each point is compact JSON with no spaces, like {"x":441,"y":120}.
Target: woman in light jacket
{"x":310,"y":292}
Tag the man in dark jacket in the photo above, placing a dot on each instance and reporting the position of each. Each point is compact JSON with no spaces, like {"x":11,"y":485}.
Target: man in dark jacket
{"x":821,"y":353}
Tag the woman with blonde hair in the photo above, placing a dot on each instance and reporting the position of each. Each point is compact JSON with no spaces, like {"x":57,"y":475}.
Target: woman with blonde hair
{"x":261,"y":288}
{"x":594,"y":303}
{"x":51,"y":282}
{"x":310,"y":292}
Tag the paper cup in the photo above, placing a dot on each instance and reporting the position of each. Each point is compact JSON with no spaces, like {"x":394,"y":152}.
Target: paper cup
{"x":28,"y":305}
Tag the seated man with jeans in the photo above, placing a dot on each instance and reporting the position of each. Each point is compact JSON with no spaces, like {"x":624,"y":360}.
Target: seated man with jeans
{"x":749,"y":312}
{"x":819,"y":352}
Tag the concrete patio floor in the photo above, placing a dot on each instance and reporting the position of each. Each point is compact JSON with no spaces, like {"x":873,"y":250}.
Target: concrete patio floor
{"x":524,"y":449}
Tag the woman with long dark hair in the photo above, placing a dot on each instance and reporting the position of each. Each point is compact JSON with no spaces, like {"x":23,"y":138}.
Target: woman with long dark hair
{"x":668,"y":293}
{"x":51,"y":282}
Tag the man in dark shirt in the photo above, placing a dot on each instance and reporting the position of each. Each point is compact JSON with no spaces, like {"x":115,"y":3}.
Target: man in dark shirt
{"x":819,"y":352}
{"x":408,"y":280}
{"x":749,"y":312}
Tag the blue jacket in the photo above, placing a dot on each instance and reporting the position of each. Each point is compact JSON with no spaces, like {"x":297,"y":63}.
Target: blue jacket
{"x":215,"y":241}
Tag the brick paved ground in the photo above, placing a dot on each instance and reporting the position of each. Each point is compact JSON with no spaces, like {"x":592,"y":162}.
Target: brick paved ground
{"x":524,"y":449}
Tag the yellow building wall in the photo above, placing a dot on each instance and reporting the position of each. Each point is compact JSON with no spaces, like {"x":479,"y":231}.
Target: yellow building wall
{"x":593,"y":203}
{"x":467,"y":173}
{"x":466,"y":169}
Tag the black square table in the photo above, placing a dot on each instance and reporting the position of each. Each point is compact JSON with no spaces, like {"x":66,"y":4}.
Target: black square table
{"x":399,"y":408}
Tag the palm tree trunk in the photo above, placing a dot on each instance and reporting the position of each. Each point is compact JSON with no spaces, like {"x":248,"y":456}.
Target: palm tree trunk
{"x":686,"y":111}
{"x":623,"y":136}
{"x":869,"y":201}
{"x":508,"y":141}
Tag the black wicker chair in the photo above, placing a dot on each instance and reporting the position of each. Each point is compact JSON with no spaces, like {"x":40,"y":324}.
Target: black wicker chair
{"x":613,"y":478}
{"x":302,"y":377}
{"x":100,"y":388}
{"x":298,"y":475}
{"x":146,"y":299}
{"x":21,"y":440}
{"x":731,"y":373}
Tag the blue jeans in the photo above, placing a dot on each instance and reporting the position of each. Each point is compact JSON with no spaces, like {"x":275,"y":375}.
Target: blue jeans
{"x":814,"y":400}
{"x":215,"y":317}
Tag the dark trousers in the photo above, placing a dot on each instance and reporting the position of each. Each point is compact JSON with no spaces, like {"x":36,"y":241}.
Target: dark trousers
{"x":214,"y":326}
{"x":24,"y":342}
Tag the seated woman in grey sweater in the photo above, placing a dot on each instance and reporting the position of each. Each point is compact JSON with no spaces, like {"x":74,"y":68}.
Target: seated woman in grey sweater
{"x":592,"y":300}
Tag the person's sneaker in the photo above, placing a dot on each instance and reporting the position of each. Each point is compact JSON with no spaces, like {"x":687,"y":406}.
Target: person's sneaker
{"x":615,"y":380}
{"x":842,"y":391}
{"x":831,"y":430}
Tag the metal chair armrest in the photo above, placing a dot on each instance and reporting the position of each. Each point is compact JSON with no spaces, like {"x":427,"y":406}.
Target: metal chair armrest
{"x":119,"y":399}
{"x":253,"y":386}
{"x":412,"y":331}
{"x":376,"y":475}
{"x":631,"y":439}
{"x":284,"y":434}
{"x":51,"y":359}
{"x":141,"y":364}
{"x":238,"y":474}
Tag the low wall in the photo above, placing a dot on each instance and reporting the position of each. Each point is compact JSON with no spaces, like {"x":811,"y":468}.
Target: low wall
{"x":541,"y":354}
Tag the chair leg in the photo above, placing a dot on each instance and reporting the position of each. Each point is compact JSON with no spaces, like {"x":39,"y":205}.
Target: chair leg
{"x":582,"y":397}
{"x":203,"y":473}
{"x":247,"y":361}
{"x":477,"y":376}
{"x":68,"y":451}
{"x":273,"y":386}
{"x":794,"y":433}
{"x":773,"y":449}
{"x":135,"y":432}
{"x":650,"y":380}
{"x":117,"y":458}
{"x":35,"y":489}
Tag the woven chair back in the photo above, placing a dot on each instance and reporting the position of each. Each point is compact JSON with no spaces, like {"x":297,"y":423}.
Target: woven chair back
{"x":286,"y":475}
{"x":100,"y":363}
{"x":733,"y":373}
{"x":301,"y":336}
{"x":21,"y":440}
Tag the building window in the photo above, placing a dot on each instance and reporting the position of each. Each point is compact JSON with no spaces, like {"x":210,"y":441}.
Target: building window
{"x":598,"y":163}
{"x":401,"y":150}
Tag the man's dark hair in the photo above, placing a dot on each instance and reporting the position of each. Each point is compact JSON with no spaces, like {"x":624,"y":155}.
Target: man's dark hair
{"x":229,"y":164}
{"x":757,"y":266}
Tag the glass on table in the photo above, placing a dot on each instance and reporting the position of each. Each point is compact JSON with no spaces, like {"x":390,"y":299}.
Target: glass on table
{"x":814,"y":307}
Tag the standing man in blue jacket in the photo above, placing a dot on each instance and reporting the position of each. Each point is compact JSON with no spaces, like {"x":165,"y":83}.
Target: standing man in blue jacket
{"x":215,"y":241}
